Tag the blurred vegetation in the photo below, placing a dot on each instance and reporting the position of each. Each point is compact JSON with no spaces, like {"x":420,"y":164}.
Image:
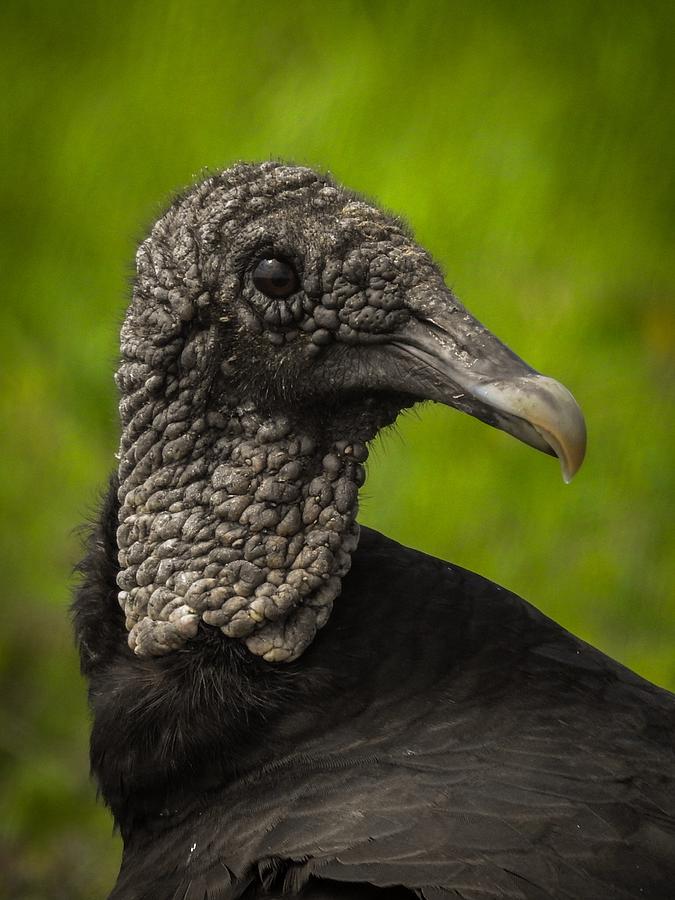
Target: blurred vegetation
{"x":531,"y":146}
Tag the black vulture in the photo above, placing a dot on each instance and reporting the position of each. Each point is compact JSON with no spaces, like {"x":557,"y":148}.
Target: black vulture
{"x":285,"y":705}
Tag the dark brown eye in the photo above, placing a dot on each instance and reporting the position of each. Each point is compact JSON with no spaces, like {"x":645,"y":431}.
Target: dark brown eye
{"x":275,"y":278}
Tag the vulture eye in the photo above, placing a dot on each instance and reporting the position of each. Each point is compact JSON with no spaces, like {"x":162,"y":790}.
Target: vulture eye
{"x":275,"y":278}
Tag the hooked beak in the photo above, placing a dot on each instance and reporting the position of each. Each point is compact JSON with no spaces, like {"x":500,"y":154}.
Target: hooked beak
{"x":458,"y":362}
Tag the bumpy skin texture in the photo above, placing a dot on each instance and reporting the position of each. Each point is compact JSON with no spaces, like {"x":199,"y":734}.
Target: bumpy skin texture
{"x":238,"y":473}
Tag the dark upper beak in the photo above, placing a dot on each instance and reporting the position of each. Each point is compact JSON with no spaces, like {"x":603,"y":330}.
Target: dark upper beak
{"x":458,"y":362}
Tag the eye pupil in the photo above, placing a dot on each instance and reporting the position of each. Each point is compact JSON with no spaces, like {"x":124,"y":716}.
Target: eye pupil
{"x":275,"y":278}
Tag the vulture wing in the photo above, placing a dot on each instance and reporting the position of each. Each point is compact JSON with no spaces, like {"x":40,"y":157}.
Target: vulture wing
{"x":482,"y":752}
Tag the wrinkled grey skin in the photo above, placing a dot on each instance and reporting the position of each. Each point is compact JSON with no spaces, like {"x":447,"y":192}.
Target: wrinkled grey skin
{"x":239,"y":469}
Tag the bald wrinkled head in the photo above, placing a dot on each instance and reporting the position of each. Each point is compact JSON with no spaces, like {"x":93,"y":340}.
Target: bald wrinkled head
{"x":278,"y":322}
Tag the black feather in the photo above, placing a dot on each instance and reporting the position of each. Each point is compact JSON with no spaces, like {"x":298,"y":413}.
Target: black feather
{"x":471,"y":743}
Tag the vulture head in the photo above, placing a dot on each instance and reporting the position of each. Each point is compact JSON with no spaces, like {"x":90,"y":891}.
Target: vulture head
{"x":278,"y":321}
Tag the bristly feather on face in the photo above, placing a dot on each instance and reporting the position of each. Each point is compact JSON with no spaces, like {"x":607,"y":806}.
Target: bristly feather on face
{"x":274,"y":329}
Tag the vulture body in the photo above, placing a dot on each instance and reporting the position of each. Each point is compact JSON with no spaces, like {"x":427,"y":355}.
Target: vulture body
{"x":284,"y":706}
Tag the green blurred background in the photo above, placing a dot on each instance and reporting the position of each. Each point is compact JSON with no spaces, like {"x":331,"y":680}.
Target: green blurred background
{"x":531,"y":146}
